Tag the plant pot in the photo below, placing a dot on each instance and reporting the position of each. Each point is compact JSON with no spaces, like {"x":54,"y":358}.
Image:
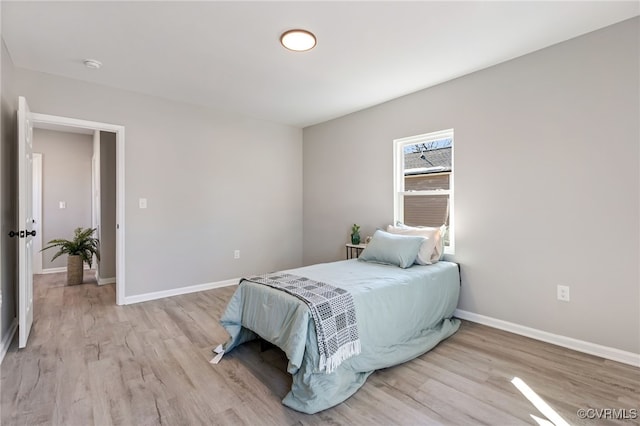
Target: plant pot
{"x":355,"y":238}
{"x":74,"y":270}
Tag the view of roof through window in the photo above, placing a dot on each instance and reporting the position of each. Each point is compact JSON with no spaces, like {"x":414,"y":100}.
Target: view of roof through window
{"x":428,"y":157}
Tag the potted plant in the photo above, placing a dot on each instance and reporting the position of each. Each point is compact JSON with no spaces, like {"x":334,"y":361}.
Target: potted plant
{"x":355,"y":234}
{"x":80,"y":249}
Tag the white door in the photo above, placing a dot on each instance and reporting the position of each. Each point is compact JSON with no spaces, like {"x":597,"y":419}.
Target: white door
{"x":25,"y":222}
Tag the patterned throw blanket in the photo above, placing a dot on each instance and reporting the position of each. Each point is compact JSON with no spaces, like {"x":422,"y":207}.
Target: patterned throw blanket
{"x":333,"y":314}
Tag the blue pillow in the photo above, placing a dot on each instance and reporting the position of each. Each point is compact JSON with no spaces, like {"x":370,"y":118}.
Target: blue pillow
{"x":391,"y":249}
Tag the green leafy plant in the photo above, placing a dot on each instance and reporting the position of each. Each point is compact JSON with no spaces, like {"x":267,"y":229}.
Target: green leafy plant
{"x":355,"y":234}
{"x":83,"y":244}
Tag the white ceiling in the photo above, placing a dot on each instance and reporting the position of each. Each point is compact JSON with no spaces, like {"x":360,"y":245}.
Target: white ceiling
{"x":227,"y":54}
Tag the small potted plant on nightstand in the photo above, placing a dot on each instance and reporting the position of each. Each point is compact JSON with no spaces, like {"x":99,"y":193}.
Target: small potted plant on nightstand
{"x":355,"y":234}
{"x":80,"y":249}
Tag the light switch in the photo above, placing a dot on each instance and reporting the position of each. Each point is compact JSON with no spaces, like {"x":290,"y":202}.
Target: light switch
{"x":63,"y":204}
{"x":142,"y":203}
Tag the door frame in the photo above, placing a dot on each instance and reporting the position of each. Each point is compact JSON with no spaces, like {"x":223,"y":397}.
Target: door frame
{"x":54,"y":122}
{"x":96,"y":195}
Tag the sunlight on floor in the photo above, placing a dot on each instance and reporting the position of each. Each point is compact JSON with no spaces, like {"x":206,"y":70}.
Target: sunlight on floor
{"x":540,"y":404}
{"x":541,"y":421}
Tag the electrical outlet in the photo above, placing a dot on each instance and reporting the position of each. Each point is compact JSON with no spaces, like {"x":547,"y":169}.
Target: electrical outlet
{"x":563,"y":293}
{"x":236,"y":254}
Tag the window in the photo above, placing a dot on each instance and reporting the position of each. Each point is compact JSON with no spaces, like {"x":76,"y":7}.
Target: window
{"x":423,"y":181}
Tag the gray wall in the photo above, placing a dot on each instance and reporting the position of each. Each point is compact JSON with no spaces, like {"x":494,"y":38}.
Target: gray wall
{"x":8,"y":193}
{"x":107,"y":267}
{"x":66,"y":176}
{"x":215,"y":182}
{"x":546,"y":184}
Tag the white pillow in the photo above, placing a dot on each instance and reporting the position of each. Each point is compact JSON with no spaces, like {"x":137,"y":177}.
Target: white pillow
{"x":432,"y":248}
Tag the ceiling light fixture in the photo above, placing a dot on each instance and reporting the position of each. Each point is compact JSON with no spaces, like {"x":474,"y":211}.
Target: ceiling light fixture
{"x":92,"y":63}
{"x":298,"y":40}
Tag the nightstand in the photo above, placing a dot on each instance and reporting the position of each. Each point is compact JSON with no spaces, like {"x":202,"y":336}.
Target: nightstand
{"x":354,"y":250}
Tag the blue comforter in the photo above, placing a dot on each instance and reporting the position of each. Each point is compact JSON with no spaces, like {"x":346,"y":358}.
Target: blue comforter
{"x":401,"y":314}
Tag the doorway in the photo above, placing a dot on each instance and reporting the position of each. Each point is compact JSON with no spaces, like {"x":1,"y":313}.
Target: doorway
{"x":74,"y":185}
{"x":109,"y":216}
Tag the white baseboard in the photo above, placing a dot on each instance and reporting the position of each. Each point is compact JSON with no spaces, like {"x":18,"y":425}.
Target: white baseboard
{"x":6,"y":342}
{"x":613,"y":354}
{"x":103,"y":281}
{"x":178,"y":291}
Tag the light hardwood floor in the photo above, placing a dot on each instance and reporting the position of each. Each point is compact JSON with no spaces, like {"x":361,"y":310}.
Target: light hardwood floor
{"x":89,"y":361}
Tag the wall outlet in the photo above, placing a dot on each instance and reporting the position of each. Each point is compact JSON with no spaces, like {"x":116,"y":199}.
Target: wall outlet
{"x":62,"y":204}
{"x":563,"y":293}
{"x":142,"y":203}
{"x":236,"y":254}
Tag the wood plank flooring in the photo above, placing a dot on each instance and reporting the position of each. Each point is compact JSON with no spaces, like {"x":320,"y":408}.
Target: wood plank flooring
{"x":90,"y":362}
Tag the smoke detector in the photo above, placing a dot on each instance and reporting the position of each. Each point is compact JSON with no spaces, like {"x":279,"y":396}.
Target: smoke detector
{"x":92,"y":64}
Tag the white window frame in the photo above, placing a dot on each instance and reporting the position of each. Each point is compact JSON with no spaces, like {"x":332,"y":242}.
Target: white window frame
{"x":398,"y":179}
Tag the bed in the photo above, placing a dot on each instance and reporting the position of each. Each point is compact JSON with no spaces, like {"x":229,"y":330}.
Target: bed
{"x":401,"y":314}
